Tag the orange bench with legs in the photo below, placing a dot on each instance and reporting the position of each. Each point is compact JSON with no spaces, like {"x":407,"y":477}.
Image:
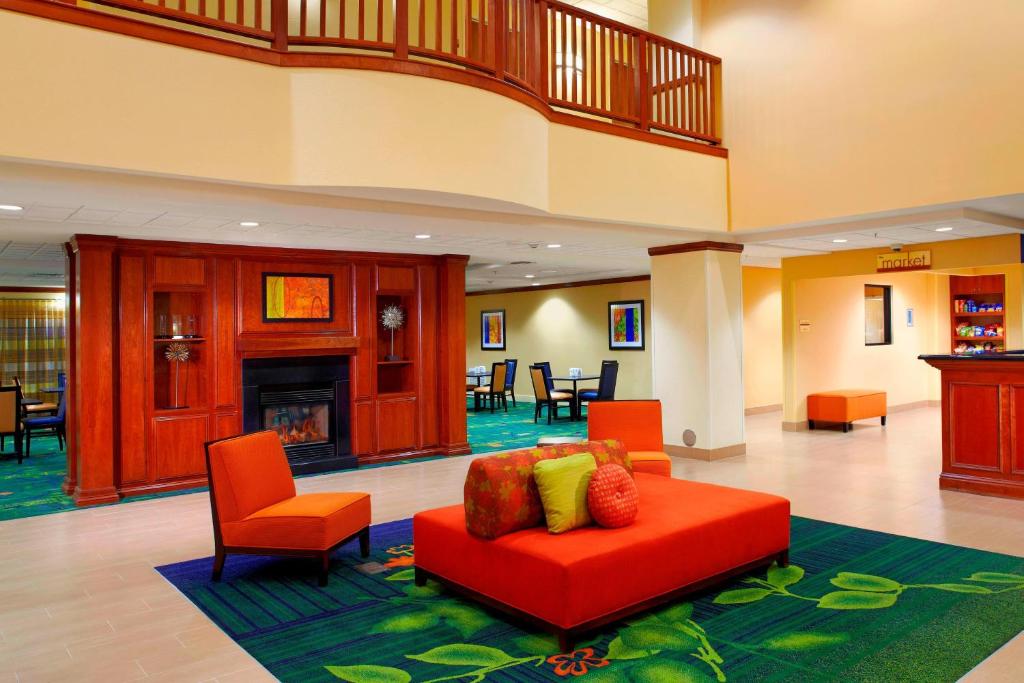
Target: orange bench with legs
{"x":637,"y":424}
{"x":845,"y":406}
{"x":687,"y":536}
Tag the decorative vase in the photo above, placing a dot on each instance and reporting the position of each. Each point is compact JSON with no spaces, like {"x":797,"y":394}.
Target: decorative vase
{"x":178,"y":355}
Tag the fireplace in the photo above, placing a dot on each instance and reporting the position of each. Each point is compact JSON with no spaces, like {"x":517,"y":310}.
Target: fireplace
{"x":305,"y":401}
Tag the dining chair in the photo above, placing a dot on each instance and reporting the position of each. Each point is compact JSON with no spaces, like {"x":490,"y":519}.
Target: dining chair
{"x":546,"y":367}
{"x":44,"y":423}
{"x":545,"y":397}
{"x":10,"y":417}
{"x":510,"y":378}
{"x":495,"y":391}
{"x":605,"y":385}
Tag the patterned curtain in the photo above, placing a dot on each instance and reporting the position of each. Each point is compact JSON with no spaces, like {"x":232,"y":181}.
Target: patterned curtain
{"x":32,"y":342}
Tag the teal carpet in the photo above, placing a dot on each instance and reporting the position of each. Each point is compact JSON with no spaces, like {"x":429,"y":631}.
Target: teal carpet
{"x":854,"y":605}
{"x":33,"y":488}
{"x":503,"y":431}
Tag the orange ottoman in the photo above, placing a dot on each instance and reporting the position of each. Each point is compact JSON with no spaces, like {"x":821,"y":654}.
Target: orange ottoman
{"x":845,"y":406}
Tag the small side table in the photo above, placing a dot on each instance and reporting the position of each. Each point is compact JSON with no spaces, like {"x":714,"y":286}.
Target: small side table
{"x":559,"y":440}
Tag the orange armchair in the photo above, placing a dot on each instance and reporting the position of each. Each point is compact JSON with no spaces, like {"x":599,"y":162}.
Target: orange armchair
{"x":257,"y":512}
{"x":637,"y":424}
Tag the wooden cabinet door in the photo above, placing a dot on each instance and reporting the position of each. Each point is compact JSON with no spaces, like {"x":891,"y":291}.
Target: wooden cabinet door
{"x":975,"y":443}
{"x":396,"y":424}
{"x":1013,"y":465}
{"x":178,"y":446}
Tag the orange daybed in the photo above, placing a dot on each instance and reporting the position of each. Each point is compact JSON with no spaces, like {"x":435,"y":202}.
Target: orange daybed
{"x":687,"y":536}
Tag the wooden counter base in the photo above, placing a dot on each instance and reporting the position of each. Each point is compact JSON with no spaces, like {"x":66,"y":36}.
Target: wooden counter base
{"x":982,"y":424}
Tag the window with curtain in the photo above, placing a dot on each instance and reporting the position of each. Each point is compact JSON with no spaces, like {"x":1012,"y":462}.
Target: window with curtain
{"x":32,"y":342}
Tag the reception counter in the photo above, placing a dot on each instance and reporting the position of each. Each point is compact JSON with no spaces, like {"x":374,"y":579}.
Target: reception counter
{"x":982,"y":422}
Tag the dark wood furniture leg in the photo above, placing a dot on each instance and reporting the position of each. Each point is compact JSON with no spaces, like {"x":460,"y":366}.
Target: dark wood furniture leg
{"x":218,"y":563}
{"x":883,"y":420}
{"x":364,"y":542}
{"x":810,"y":424}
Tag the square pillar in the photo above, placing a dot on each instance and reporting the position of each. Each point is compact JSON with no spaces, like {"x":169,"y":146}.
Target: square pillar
{"x":697,"y":347}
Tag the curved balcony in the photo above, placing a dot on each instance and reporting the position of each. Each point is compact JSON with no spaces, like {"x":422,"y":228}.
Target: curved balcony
{"x":575,"y":67}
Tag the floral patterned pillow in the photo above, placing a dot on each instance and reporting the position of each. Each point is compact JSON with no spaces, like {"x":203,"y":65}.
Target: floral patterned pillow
{"x":501,"y":495}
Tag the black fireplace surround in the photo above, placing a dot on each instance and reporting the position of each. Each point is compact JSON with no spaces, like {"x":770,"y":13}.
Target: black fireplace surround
{"x":305,"y":400}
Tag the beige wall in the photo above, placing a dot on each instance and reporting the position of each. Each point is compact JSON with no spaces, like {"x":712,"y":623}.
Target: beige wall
{"x":831,"y":353}
{"x":568,"y":327}
{"x":762,"y":337}
{"x":532,"y":315}
{"x":841,"y":107}
{"x":827,"y":291}
{"x":179,"y":112}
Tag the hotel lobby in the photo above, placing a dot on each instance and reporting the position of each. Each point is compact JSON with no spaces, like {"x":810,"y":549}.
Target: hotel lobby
{"x":517,"y":340}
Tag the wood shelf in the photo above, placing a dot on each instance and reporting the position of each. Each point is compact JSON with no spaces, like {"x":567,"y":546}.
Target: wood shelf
{"x":982,"y":290}
{"x":991,"y":339}
{"x":187,"y":340}
{"x":394,"y":362}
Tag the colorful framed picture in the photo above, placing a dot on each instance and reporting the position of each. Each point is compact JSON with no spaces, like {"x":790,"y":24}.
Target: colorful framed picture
{"x":298,"y":297}
{"x":626,"y":325}
{"x":492,"y":330}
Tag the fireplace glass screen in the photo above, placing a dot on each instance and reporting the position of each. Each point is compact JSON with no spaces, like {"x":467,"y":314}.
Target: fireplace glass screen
{"x":299,"y":424}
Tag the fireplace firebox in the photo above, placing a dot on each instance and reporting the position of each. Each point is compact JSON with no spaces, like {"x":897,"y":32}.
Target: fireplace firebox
{"x":305,"y":401}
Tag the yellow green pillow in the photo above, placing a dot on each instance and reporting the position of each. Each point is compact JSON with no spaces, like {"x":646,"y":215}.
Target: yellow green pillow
{"x":563,"y":484}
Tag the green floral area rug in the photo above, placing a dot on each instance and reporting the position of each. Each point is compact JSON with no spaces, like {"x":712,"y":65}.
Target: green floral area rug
{"x":854,"y":605}
{"x":501,"y":431}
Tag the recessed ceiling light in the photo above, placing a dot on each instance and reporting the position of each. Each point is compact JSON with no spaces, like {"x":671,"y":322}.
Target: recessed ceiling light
{"x":423,"y":237}
{"x":10,"y":207}
{"x":535,"y":284}
{"x":249,"y":224}
{"x":945,"y":229}
{"x":529,"y":277}
{"x":839,"y":241}
{"x":554,"y":246}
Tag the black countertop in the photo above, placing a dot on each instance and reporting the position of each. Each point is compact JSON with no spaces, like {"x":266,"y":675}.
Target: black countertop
{"x":1017,"y":355}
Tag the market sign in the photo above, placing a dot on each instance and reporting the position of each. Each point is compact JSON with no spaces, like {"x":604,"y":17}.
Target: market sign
{"x":903,"y":260}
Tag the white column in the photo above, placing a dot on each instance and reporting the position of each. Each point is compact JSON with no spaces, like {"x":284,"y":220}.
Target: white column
{"x":697,"y":348}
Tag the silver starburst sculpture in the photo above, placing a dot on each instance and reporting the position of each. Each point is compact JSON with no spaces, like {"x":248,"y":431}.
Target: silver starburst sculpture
{"x":178,"y":354}
{"x":392,"y":318}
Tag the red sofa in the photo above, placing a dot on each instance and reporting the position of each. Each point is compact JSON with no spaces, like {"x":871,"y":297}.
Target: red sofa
{"x":687,"y":536}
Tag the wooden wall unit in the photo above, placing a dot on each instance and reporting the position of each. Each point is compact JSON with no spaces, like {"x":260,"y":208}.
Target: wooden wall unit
{"x":125,"y":435}
{"x":982,"y":423}
{"x":988,"y":294}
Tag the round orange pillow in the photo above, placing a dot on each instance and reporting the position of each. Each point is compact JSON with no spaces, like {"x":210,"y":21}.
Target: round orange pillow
{"x":612,"y":496}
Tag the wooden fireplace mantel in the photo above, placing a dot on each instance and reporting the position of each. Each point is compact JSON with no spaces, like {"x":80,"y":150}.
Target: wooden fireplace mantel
{"x":123,"y":438}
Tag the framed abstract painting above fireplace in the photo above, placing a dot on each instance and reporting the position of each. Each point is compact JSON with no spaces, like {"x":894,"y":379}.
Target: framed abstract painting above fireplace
{"x":298,"y":297}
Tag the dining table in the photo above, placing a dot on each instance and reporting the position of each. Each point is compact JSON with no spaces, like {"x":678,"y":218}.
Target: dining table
{"x":575,"y":411}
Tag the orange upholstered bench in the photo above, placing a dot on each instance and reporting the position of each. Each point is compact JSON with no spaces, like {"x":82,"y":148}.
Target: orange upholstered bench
{"x":687,"y":536}
{"x":845,"y":406}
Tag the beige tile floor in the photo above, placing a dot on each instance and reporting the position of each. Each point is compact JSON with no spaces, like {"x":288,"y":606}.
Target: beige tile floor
{"x":79,"y":599}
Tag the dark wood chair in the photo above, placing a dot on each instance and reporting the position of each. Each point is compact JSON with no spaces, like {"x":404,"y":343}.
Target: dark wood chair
{"x":495,"y":391}
{"x":605,"y":386}
{"x":46,"y":423}
{"x":545,"y":397}
{"x":510,"y":378}
{"x":10,"y":417}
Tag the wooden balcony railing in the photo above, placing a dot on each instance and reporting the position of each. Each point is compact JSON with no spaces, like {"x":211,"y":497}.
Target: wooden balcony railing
{"x":570,"y":59}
